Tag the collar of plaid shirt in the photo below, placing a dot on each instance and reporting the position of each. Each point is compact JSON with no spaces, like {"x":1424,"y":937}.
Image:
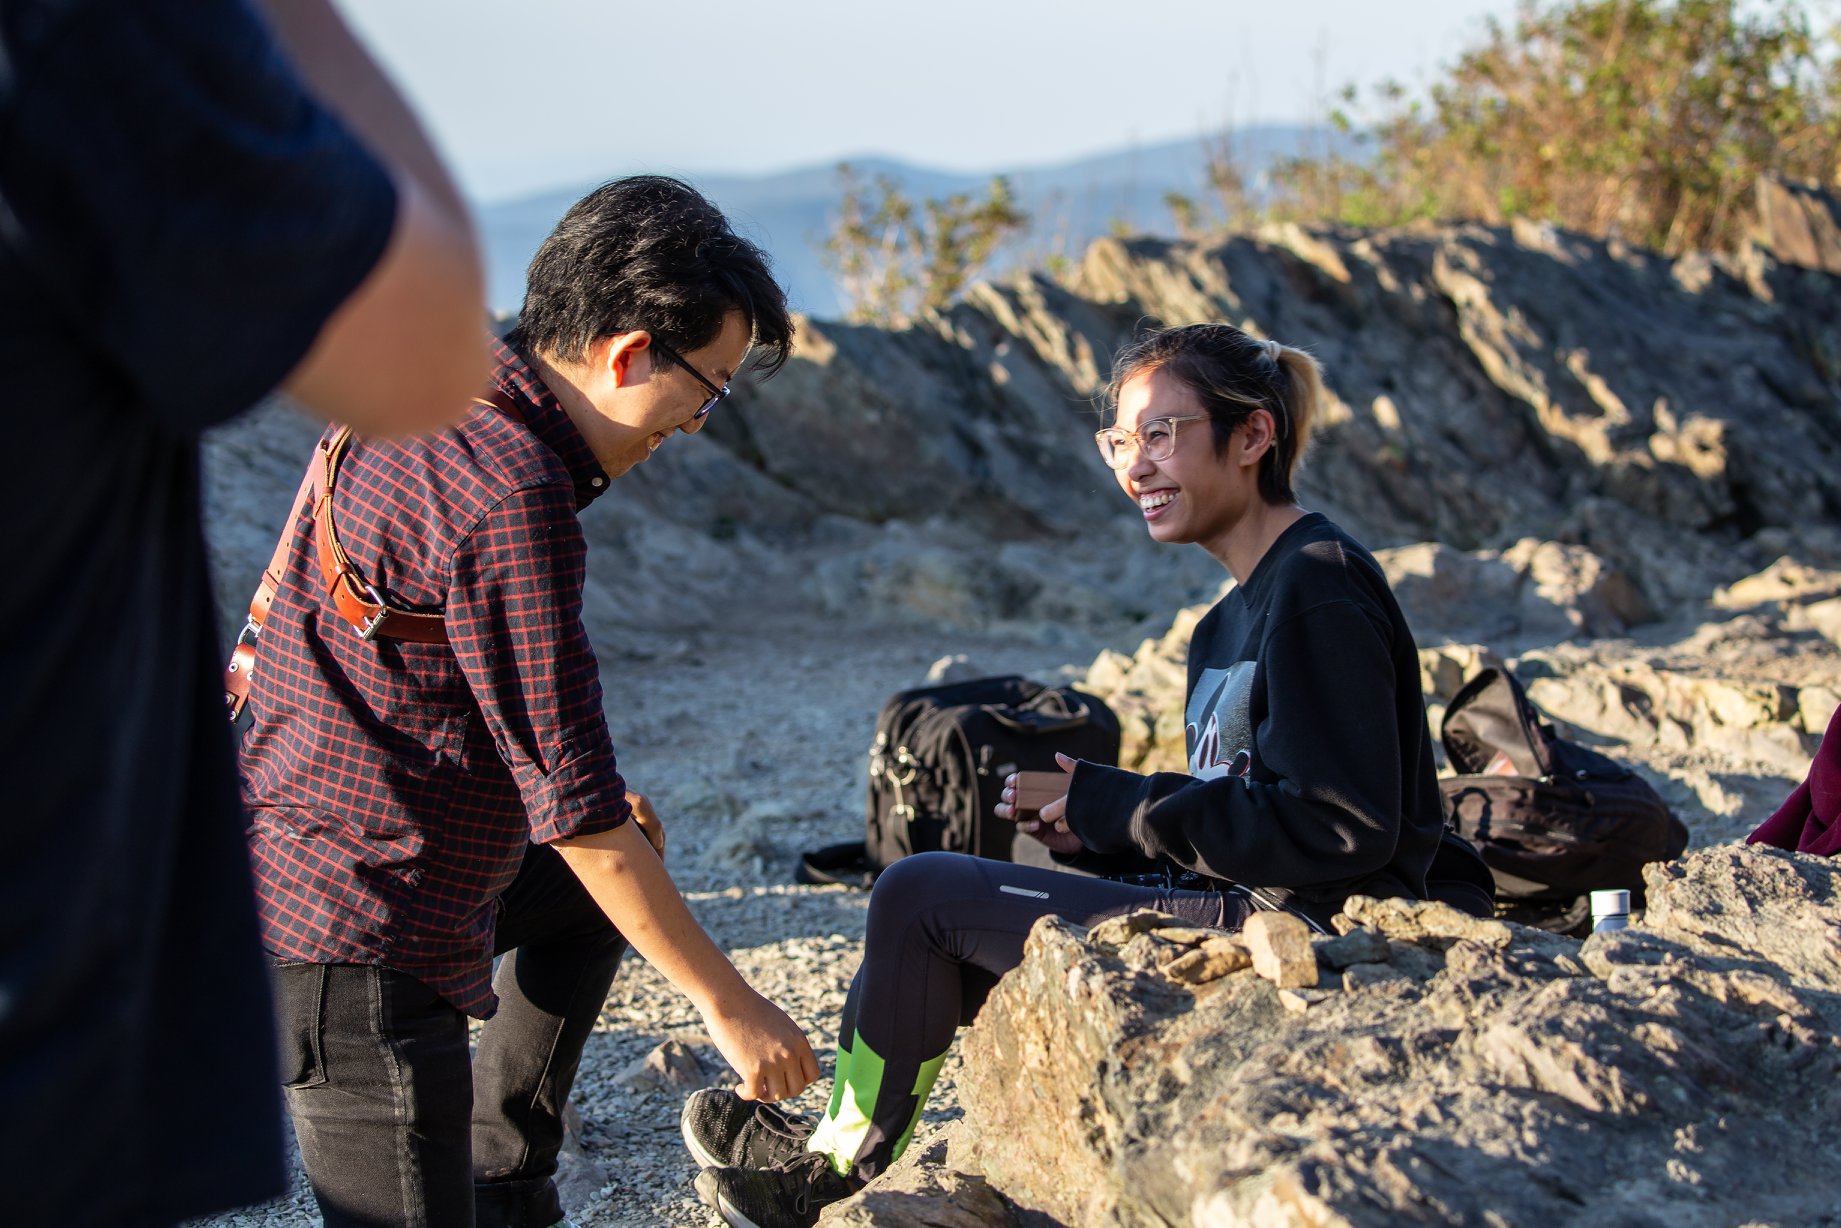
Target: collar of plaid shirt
{"x":545,"y":415}
{"x":393,"y":788}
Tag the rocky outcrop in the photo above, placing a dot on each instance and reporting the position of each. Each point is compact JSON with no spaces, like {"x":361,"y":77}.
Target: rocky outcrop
{"x":1682,"y":1071}
{"x":1490,"y":385}
{"x":1496,"y":384}
{"x":1799,"y":223}
{"x":1537,"y":401}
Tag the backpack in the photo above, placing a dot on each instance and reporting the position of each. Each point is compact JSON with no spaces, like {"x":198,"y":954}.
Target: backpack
{"x":1554,"y":820}
{"x":937,"y":765}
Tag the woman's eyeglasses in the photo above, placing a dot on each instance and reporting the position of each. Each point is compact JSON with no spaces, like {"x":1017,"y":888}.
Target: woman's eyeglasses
{"x":716,"y":394}
{"x":1155,"y":440}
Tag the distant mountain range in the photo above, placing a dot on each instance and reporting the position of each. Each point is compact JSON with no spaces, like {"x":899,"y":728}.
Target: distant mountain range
{"x":788,"y":213}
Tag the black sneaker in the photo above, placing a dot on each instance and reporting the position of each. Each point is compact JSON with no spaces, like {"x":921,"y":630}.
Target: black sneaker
{"x":789,"y":1196}
{"x":724,"y":1131}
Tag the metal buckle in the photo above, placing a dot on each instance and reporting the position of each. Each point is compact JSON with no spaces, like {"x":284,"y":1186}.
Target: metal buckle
{"x":367,"y":630}
{"x":251,"y":632}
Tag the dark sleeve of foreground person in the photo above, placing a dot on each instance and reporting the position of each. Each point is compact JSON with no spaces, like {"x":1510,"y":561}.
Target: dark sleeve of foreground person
{"x":183,"y":202}
{"x":1328,"y":807}
{"x":406,"y":350}
{"x":178,"y":217}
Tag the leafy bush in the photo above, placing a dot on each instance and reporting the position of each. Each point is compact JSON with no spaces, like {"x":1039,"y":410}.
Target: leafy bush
{"x":1650,"y":120}
{"x":893,"y":258}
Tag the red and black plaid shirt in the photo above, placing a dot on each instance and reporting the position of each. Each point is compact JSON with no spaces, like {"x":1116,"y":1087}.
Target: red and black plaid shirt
{"x":394,"y":786}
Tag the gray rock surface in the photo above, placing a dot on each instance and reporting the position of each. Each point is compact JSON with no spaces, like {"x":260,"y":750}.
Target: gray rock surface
{"x":1799,"y":224}
{"x":924,"y":1190}
{"x":1607,"y":433}
{"x":1680,"y":1072}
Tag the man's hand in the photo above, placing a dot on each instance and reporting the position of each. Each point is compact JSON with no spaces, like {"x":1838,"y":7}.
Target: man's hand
{"x":1050,"y":824}
{"x":765,"y":1047}
{"x":648,"y":820}
{"x":626,"y":878}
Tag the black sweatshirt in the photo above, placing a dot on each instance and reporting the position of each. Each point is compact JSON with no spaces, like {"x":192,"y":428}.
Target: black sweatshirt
{"x":1310,"y":762}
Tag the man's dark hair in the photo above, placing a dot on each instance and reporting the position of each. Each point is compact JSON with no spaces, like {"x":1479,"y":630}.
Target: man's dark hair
{"x":649,"y":252}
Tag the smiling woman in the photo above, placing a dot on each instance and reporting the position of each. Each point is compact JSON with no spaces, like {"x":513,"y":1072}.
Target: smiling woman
{"x":1310,"y":774}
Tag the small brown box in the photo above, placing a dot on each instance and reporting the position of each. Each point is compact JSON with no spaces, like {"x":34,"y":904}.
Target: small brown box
{"x":1035,"y":790}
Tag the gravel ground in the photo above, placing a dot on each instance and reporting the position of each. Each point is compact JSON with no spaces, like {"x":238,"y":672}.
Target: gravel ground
{"x":752,"y":741}
{"x":751,"y":738}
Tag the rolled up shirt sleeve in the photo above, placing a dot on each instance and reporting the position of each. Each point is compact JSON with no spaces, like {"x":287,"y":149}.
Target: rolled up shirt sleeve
{"x":514,"y":619}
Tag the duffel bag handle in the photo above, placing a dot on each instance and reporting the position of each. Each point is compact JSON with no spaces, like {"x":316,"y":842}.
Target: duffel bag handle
{"x":1051,"y":710}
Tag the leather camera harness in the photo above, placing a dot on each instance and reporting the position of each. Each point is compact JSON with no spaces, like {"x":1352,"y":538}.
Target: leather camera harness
{"x":355,"y":598}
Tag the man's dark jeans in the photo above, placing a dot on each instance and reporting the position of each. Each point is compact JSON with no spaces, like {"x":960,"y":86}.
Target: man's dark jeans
{"x":397,"y":1128}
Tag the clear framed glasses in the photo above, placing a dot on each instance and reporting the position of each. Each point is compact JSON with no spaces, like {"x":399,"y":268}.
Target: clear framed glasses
{"x":1155,"y":440}
{"x":716,"y":394}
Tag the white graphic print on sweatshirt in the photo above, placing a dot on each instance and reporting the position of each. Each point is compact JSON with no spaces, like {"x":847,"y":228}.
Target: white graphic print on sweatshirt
{"x":1216,"y":725}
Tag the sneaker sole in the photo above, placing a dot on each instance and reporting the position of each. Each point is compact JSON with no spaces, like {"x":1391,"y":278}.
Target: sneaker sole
{"x":732,"y":1216}
{"x":703,"y":1158}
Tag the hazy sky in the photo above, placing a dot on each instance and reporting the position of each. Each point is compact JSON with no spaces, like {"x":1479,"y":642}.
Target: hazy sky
{"x":531,"y":94}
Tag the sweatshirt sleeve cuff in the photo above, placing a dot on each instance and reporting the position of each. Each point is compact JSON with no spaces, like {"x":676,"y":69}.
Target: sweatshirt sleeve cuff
{"x":1101,"y":804}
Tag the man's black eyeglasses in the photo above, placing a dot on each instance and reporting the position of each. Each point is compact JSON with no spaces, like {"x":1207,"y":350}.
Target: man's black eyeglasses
{"x":716,"y":394}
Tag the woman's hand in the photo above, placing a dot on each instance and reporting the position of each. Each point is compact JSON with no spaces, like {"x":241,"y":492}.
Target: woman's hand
{"x":1049,"y":824}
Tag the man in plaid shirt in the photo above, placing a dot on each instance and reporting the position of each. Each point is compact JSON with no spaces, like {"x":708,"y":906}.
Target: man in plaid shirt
{"x":418,"y":808}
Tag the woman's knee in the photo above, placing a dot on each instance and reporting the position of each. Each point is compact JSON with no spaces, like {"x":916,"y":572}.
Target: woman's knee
{"x":916,"y":881}
{"x":926,"y":869}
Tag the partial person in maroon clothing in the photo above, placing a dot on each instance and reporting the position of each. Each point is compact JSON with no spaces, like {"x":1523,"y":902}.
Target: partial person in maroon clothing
{"x":419,"y":808}
{"x":1809,"y":821}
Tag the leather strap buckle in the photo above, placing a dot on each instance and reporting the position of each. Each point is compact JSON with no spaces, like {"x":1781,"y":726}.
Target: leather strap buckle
{"x":367,"y":627}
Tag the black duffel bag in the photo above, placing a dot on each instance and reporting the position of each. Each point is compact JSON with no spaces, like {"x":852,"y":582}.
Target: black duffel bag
{"x":1554,"y":820}
{"x":937,"y":765}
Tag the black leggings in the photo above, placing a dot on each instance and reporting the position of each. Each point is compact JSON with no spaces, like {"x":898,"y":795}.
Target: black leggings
{"x":943,"y":927}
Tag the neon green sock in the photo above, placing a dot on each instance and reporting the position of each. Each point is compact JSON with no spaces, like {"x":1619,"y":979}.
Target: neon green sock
{"x":846,"y":1122}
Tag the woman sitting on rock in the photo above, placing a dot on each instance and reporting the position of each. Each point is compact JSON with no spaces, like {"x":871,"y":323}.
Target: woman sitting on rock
{"x":1310,"y":774}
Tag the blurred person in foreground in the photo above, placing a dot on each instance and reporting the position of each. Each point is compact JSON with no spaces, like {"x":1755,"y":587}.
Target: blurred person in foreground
{"x":439,"y":787}
{"x":197,"y":204}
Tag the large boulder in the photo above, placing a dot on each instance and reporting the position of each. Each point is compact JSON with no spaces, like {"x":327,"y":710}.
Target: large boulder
{"x":1680,"y":1072}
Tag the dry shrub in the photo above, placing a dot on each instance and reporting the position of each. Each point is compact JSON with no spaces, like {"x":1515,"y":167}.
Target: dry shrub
{"x":1646,"y":120}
